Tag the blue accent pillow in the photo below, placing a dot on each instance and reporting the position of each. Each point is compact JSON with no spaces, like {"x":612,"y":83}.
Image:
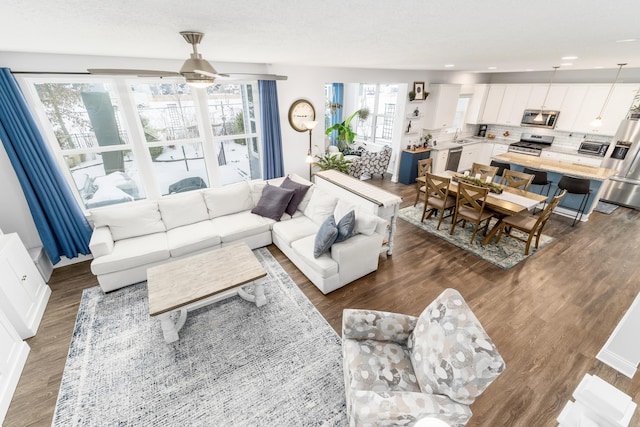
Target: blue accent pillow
{"x":273,"y":202}
{"x":300,"y":191}
{"x":345,"y":226}
{"x":326,"y":236}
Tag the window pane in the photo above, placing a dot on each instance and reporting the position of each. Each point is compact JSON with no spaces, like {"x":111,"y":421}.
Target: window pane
{"x":166,"y":111}
{"x":179,"y":168}
{"x":238,"y":160}
{"x":101,"y":184}
{"x":82,"y":115}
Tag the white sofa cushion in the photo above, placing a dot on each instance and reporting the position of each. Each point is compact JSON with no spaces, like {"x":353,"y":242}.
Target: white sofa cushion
{"x":183,"y":209}
{"x":228,"y":200}
{"x":130,"y":220}
{"x":101,"y":242}
{"x":192,"y":238}
{"x":132,"y":252}
{"x":237,"y":226}
{"x":294,"y":229}
{"x":321,"y":205}
{"x":324,"y":264}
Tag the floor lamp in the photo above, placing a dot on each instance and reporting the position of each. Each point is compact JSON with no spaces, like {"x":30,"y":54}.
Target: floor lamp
{"x":310,"y":125}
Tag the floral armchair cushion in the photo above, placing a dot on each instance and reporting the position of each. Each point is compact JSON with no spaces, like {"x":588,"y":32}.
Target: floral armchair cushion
{"x":451,"y":353}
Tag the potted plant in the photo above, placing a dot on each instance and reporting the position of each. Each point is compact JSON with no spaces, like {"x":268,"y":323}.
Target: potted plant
{"x":346,"y":135}
{"x":412,"y":95}
{"x":333,"y":161}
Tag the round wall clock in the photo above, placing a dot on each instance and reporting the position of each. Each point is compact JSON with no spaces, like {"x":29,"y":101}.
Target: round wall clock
{"x":301,"y":111}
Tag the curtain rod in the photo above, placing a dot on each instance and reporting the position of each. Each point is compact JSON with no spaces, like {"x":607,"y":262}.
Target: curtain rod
{"x":51,"y":72}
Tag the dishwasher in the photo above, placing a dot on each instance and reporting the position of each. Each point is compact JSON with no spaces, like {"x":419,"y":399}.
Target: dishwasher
{"x":453,"y":160}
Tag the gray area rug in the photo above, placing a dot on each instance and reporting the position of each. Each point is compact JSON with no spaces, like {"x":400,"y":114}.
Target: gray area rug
{"x":506,"y":254}
{"x":605,"y":208}
{"x":234,"y":365}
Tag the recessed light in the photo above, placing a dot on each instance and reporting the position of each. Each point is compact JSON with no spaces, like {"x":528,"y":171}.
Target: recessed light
{"x":566,"y":64}
{"x":449,"y":65}
{"x":626,"y":40}
{"x":492,"y":68}
{"x":529,"y":69}
{"x":568,"y":58}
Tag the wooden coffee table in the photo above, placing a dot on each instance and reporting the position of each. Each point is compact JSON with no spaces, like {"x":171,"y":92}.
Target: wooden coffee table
{"x":193,"y":282}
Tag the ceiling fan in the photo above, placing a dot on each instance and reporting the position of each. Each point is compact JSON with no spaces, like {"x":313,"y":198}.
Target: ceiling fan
{"x":196,"y":70}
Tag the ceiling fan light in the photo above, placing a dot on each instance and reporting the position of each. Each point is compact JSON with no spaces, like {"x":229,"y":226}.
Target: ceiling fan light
{"x":201,"y":83}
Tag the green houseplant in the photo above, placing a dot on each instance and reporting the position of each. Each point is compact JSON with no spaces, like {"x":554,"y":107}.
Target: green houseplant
{"x":333,"y":161}
{"x":346,"y":135}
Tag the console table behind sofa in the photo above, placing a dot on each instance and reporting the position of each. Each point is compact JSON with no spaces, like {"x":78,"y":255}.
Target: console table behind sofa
{"x":368,"y":197}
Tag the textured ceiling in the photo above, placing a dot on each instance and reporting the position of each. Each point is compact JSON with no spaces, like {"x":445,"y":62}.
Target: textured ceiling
{"x":411,"y":34}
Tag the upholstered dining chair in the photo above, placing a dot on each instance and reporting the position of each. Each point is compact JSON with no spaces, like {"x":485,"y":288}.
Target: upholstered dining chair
{"x":470,"y":202}
{"x":516,"y":179}
{"x":424,"y":167}
{"x":530,"y":225}
{"x":400,"y":369}
{"x":484,"y":171}
{"x":437,"y":197}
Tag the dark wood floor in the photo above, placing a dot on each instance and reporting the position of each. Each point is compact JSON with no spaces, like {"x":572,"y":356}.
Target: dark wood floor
{"x":549,"y":316}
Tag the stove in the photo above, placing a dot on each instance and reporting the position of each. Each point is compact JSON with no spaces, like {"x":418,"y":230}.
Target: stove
{"x":531,"y":144}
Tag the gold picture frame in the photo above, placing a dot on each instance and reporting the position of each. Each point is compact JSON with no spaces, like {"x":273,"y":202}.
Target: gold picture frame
{"x":418,"y":88}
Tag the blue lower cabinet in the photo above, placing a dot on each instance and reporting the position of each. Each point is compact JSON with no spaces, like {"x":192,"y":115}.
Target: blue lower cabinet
{"x":409,"y":165}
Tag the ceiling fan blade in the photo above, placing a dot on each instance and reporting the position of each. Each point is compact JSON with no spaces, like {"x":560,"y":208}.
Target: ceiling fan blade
{"x":207,"y":73}
{"x":252,"y":76}
{"x":131,"y":72}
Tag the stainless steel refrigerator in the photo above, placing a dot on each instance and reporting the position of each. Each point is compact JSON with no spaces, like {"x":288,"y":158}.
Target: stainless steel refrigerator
{"x":624,"y":187}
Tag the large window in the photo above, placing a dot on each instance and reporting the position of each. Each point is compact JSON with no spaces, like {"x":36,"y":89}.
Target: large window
{"x":123,"y":140}
{"x":381,"y":100}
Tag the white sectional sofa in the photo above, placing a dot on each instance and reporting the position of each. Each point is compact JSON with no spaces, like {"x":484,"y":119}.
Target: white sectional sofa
{"x":129,"y":238}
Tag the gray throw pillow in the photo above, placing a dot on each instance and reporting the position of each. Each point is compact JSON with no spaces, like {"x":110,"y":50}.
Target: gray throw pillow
{"x":273,"y":202}
{"x":326,"y":236}
{"x":345,"y":226}
{"x":300,"y":191}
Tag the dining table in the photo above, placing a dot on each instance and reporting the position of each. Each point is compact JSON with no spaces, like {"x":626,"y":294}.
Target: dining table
{"x":512,"y":201}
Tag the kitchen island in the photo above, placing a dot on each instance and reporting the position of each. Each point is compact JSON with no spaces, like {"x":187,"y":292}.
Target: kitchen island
{"x":555,"y":170}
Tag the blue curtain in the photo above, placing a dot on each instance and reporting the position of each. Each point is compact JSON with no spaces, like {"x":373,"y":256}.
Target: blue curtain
{"x":59,"y":220}
{"x":337,"y":90}
{"x":272,"y":163}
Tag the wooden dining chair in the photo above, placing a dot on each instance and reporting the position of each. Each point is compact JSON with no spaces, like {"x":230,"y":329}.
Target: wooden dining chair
{"x":470,"y":203}
{"x":437,"y":198}
{"x":424,"y":167}
{"x":484,"y":171}
{"x":516,"y":179}
{"x":530,"y":225}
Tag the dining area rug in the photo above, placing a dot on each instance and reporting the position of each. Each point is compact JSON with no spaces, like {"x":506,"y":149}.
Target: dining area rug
{"x":234,"y":365}
{"x":506,"y":254}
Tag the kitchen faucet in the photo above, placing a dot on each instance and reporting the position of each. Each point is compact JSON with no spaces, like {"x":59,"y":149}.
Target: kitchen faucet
{"x":455,"y":136}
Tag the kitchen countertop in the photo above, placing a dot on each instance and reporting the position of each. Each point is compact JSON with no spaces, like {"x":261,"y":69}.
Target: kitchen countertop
{"x":549,"y":165}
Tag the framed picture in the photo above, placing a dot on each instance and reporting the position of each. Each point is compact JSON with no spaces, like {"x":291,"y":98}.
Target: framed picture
{"x":418,"y":88}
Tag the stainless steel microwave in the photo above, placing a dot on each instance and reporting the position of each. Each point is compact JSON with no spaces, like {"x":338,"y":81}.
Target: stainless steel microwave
{"x":541,"y":119}
{"x":593,"y":148}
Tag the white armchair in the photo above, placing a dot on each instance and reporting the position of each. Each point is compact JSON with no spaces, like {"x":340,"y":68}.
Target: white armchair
{"x":400,"y":369}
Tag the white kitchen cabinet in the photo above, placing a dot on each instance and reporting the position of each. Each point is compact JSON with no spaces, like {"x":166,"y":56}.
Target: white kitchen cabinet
{"x":23,"y":292}
{"x":571,"y":107}
{"x":13,"y":355}
{"x":439,"y":160}
{"x":572,"y":158}
{"x":476,"y":104}
{"x":514,"y":102}
{"x":441,"y":105}
{"x":492,"y":105}
{"x":478,"y":153}
{"x":617,"y":107}
{"x":498,"y":149}
{"x":554,"y":99}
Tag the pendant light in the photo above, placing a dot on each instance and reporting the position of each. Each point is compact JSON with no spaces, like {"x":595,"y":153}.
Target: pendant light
{"x":539,"y":118}
{"x":597,"y":122}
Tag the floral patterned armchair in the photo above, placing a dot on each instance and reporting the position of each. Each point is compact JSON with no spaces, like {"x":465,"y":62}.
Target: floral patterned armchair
{"x":399,"y":369}
{"x":370,"y":163}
